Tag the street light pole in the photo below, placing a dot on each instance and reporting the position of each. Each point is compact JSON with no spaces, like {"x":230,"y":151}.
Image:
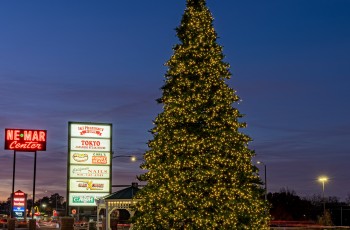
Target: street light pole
{"x":132,"y":158}
{"x":265,"y":176}
{"x":323,"y":179}
{"x":44,"y":208}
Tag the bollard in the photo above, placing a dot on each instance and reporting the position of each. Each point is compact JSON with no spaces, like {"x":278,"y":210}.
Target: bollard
{"x":11,"y":224}
{"x":32,"y":224}
{"x":104,"y":227}
{"x":92,"y":225}
{"x":67,"y":223}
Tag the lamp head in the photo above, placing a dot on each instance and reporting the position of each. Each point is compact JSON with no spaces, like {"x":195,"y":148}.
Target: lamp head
{"x":323,"y":179}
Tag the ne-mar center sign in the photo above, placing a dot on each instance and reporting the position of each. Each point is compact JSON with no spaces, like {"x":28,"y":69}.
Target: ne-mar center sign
{"x":23,"y":140}
{"x":89,"y":162}
{"x":26,"y":140}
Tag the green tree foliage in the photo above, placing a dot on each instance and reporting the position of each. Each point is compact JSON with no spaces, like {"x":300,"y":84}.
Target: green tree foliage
{"x":55,"y":201}
{"x":286,"y":205}
{"x":49,"y":203}
{"x":200,"y":174}
{"x":325,"y":219}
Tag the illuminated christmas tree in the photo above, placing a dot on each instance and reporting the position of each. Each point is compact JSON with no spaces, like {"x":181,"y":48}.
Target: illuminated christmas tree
{"x":199,"y":167}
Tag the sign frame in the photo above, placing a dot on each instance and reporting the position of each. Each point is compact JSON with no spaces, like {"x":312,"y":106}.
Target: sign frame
{"x":25,"y":140}
{"x":89,"y":134}
{"x":19,"y":204}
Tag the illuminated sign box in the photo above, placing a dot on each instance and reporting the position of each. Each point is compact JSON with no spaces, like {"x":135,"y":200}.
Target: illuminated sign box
{"x":88,"y":171}
{"x":91,"y":144}
{"x":19,"y":200}
{"x":89,"y":162}
{"x":90,"y":158}
{"x":85,"y":199}
{"x":18,"y":209}
{"x":90,"y":130}
{"x":25,"y":140}
{"x":89,"y":185}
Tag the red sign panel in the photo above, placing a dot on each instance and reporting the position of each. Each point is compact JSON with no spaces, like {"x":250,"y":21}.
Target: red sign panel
{"x":25,"y":140}
{"x":19,"y":200}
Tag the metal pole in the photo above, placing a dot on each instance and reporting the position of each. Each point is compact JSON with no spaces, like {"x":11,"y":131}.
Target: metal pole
{"x":13,"y":182}
{"x":324,"y":202}
{"x":107,"y":215}
{"x":14,"y":171}
{"x":34,"y":181}
{"x":341,"y":216}
{"x":265,"y":183}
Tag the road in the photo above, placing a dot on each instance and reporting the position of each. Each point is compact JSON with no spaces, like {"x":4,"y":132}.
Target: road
{"x":47,"y":225}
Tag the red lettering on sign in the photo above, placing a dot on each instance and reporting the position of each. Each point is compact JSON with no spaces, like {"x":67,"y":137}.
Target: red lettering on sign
{"x":91,"y":143}
{"x":12,"y":135}
{"x":19,"y":199}
{"x":25,"y":140}
{"x":18,"y":203}
{"x":26,"y":145}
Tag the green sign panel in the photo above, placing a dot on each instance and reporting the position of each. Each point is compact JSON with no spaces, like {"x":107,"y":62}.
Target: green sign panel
{"x":83,"y":200}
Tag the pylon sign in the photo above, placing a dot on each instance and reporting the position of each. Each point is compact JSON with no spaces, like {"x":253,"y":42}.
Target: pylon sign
{"x":24,"y":140}
{"x":89,"y":162}
{"x":19,"y":204}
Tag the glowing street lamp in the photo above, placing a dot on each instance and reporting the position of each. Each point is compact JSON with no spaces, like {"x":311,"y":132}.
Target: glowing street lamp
{"x":132,"y":158}
{"x":259,"y":162}
{"x":323,"y":180}
{"x":57,"y":196}
{"x":43,"y":206}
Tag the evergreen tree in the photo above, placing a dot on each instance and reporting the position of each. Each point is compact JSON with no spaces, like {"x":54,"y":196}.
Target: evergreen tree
{"x":200,"y":174}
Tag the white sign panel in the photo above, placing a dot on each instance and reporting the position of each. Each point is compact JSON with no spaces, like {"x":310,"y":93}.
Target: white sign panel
{"x":90,"y":130}
{"x":91,"y":158}
{"x":88,"y":171}
{"x":89,"y":162}
{"x":89,"y":185}
{"x":90,"y":144}
{"x":84,"y":199}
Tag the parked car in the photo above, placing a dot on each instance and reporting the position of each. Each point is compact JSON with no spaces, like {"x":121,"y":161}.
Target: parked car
{"x":3,"y":223}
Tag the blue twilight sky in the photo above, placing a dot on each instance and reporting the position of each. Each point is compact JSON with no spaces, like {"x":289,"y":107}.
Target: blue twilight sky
{"x":102,"y":61}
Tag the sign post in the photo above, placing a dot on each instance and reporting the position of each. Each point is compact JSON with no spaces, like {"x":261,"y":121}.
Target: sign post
{"x":24,"y":140}
{"x":89,"y":166}
{"x":13,"y":179}
{"x":34,"y":178}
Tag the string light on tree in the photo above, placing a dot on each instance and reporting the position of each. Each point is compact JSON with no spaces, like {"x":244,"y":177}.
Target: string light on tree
{"x":199,"y":167}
